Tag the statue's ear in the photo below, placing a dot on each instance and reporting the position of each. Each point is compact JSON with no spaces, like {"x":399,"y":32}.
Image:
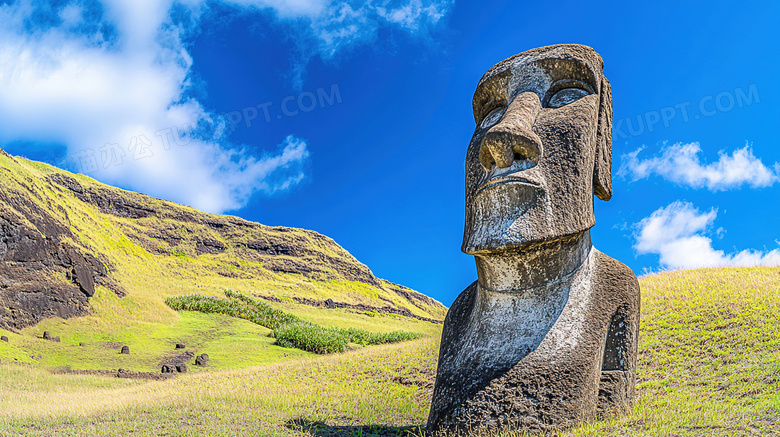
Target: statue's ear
{"x":602,"y":170}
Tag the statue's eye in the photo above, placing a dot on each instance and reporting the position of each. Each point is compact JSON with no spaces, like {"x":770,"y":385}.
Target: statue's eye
{"x":566,"y":96}
{"x":567,"y":91}
{"x":493,"y":117}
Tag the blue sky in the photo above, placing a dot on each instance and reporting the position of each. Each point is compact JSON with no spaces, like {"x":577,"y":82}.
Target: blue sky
{"x":369,"y":116}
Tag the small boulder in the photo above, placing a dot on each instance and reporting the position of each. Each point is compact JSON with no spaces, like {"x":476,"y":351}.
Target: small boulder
{"x":182,"y":368}
{"x":180,"y":346}
{"x":46,"y":335}
{"x":56,"y":339}
{"x":330,"y":304}
{"x":167,"y":369}
{"x":125,"y":350}
{"x":4,"y":338}
{"x":81,"y":344}
{"x":202,"y":360}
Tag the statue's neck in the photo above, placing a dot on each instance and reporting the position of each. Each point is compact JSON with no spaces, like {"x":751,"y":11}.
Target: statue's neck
{"x":535,"y":266}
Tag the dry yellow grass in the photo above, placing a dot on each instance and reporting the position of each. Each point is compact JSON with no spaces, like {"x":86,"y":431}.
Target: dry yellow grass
{"x":709,"y":365}
{"x":352,"y":388}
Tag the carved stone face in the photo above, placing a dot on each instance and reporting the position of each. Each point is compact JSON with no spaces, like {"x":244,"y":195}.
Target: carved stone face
{"x":542,"y":140}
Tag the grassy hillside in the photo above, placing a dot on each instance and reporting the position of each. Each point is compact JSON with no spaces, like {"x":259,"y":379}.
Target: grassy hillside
{"x":709,"y":364}
{"x":62,"y":234}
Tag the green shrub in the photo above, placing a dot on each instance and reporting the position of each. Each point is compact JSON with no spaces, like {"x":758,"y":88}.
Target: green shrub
{"x":289,"y":330}
{"x":312,"y":338}
{"x":366,"y":338}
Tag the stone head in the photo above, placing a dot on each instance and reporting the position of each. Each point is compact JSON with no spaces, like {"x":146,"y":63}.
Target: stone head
{"x":541,"y":150}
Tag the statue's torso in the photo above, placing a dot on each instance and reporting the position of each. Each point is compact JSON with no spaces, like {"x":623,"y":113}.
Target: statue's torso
{"x":526,"y":358}
{"x":504,"y":327}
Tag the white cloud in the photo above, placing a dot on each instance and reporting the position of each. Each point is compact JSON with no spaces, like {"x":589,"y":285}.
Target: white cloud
{"x":99,"y":77}
{"x":681,"y":163}
{"x":412,"y":14}
{"x":332,"y":26}
{"x":677,"y":234}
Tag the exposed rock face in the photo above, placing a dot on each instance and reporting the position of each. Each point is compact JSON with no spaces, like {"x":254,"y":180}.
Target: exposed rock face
{"x":279,"y":249}
{"x":32,"y":252}
{"x":52,"y":262}
{"x":125,"y":350}
{"x":106,"y":201}
{"x":547,"y":337}
{"x":331,"y":304}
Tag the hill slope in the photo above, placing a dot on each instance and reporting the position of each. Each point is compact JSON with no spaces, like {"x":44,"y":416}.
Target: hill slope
{"x":93,"y":264}
{"x":709,"y":365}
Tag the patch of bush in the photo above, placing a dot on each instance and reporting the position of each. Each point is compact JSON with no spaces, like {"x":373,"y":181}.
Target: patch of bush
{"x":365,"y":338}
{"x":289,"y":330}
{"x":312,"y":338}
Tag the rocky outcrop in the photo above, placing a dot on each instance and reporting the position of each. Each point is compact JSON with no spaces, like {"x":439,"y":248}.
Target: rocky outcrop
{"x":331,"y":304}
{"x":107,"y":201}
{"x":33,"y":257}
{"x":50,"y":267}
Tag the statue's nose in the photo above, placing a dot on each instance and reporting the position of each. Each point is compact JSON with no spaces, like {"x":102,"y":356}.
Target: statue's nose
{"x":512,"y":138}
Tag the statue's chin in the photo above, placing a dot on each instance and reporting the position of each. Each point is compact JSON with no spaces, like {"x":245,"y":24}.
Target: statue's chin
{"x":505,"y":218}
{"x":476,"y":243}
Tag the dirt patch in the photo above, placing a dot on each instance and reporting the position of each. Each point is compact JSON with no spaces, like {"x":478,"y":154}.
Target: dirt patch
{"x":333,"y":429}
{"x":178,"y":359}
{"x":422,"y":378}
{"x":111,"y":345}
{"x":331,"y":304}
{"x":118,"y":373}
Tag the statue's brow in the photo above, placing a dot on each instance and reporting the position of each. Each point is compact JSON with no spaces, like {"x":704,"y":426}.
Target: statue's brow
{"x":584,"y":72}
{"x":486,"y":85}
{"x":489,"y":87}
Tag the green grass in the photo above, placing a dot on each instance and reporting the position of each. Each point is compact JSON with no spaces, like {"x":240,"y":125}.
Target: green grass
{"x":347,"y":388}
{"x":709,"y":361}
{"x":150,"y":270}
{"x":290,"y":331}
{"x":687,"y":385}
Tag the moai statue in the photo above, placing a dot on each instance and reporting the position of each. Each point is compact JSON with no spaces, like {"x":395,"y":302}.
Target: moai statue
{"x":547,"y":336}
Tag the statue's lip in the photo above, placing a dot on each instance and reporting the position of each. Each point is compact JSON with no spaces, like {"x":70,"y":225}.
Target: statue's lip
{"x":501,"y":180}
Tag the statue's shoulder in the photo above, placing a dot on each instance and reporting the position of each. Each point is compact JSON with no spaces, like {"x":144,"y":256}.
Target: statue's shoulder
{"x":460,"y":310}
{"x":612,"y":275}
{"x":463,"y":303}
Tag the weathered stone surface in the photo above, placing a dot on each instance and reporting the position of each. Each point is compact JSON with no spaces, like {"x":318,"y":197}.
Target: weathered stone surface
{"x":46,"y":335}
{"x":209,"y":246}
{"x":4,"y":338}
{"x":202,"y":360}
{"x":180,"y":346}
{"x":32,"y":254}
{"x":182,"y":368}
{"x":125,"y":350}
{"x":547,"y":336}
{"x":84,"y":279}
{"x":358,"y":307}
